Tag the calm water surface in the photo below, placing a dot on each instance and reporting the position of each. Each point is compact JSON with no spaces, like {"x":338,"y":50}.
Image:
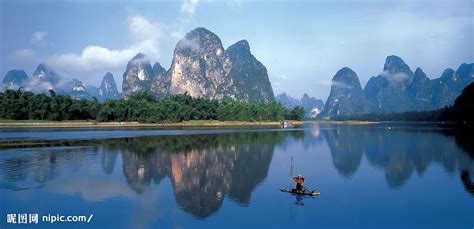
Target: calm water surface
{"x":369,"y":176}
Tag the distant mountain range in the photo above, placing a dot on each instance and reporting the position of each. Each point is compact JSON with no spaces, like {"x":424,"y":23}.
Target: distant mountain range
{"x":44,"y":79}
{"x":397,"y":89}
{"x":311,"y":105}
{"x":202,"y":67}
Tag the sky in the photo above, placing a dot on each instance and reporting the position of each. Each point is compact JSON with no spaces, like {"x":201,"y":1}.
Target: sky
{"x":301,"y":43}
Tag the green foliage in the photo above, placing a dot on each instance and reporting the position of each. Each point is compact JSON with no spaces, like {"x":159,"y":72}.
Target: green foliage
{"x":296,"y":113}
{"x":141,"y":107}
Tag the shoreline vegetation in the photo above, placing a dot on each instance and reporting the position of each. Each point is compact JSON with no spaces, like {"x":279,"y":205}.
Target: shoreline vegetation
{"x":190,"y":123}
{"x":26,"y":109}
{"x":142,"y":107}
{"x":87,"y":123}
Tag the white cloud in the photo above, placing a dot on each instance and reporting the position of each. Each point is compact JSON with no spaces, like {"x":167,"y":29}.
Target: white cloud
{"x":95,"y":60}
{"x":146,"y":37}
{"x":38,"y":37}
{"x":142,"y":29}
{"x":188,"y":8}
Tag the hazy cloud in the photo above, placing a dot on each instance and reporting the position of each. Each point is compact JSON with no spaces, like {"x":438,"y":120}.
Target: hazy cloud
{"x":22,"y":54}
{"x":310,"y":40}
{"x":145,"y":34}
{"x":92,"y":58}
{"x":38,"y":37}
{"x":282,"y":76}
{"x":188,"y":8}
{"x":341,"y":85}
{"x":95,"y":60}
{"x":397,"y":77}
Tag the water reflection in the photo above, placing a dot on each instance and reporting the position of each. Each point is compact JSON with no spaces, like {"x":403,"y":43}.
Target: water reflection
{"x":398,"y":152}
{"x":204,"y":169}
{"x":44,"y":165}
{"x":299,"y":200}
{"x":346,"y":147}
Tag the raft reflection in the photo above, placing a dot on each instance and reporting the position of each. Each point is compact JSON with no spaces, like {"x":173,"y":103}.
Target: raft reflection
{"x":205,"y":168}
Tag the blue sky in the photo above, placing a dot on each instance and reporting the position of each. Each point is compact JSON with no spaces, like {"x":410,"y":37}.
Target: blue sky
{"x":302,"y":43}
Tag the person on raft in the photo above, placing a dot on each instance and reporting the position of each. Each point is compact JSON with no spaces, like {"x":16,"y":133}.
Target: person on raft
{"x":299,"y":183}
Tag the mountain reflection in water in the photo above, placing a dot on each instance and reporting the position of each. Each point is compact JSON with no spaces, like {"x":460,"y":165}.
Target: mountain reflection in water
{"x":398,"y":153}
{"x":204,"y":169}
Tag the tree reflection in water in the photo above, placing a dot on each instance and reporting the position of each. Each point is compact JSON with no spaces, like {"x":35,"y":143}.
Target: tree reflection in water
{"x":202,"y":168}
{"x":399,"y":152}
{"x":206,"y":168}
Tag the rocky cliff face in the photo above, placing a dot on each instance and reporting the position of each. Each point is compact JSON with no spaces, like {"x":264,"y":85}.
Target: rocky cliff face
{"x":346,"y":97}
{"x":450,"y":85}
{"x":287,"y":101}
{"x":138,"y":76}
{"x":389,"y":91}
{"x":199,"y":65}
{"x":46,"y":75}
{"x":79,"y":91}
{"x":466,"y":73}
{"x":247,"y":79}
{"x":420,"y":91}
{"x":202,"y":67}
{"x":161,"y":81}
{"x":398,"y":90}
{"x":312,"y":106}
{"x":14,"y":78}
{"x":44,"y":79}
{"x":108,"y":88}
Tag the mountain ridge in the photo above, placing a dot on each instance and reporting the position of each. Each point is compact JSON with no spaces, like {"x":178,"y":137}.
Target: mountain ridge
{"x":311,"y":105}
{"x":202,"y":67}
{"x":397,"y":89}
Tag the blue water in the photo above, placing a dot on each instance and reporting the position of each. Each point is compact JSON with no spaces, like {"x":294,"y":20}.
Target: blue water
{"x":369,"y":176}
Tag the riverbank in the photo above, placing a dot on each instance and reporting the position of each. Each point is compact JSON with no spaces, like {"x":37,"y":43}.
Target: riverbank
{"x":77,"y":124}
{"x":348,"y":122}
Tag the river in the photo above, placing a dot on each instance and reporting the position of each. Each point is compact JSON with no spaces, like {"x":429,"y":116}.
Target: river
{"x":389,"y":175}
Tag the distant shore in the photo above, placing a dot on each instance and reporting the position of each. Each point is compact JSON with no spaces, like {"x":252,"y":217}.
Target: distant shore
{"x":77,"y":124}
{"x":349,"y":122}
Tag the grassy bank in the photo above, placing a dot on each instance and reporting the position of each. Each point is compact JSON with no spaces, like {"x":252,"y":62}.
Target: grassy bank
{"x":85,"y":123}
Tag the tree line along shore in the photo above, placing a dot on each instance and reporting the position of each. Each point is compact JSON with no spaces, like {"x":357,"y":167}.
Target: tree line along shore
{"x":19,"y":108}
{"x":142,"y":107}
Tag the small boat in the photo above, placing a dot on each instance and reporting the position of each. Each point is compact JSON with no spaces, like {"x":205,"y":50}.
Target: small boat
{"x":285,"y":124}
{"x":304,"y":193}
